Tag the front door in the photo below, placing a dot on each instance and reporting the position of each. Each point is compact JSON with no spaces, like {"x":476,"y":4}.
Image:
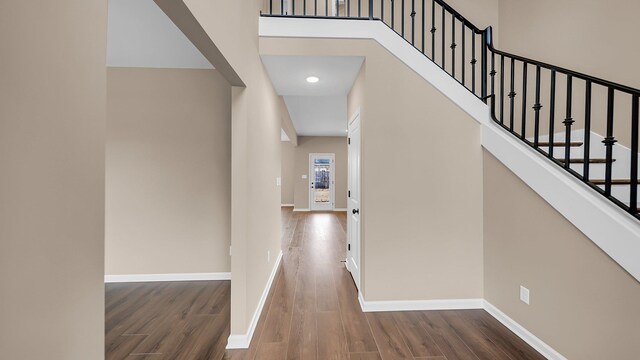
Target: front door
{"x":321,"y":182}
{"x":353,"y":214}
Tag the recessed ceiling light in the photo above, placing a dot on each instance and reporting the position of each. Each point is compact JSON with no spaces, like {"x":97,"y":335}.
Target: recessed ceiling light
{"x":313,"y":79}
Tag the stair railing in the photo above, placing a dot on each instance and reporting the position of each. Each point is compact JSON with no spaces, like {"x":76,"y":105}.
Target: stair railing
{"x":552,"y":109}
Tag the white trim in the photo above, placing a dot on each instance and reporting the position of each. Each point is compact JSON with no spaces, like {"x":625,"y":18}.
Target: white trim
{"x":464,"y":304}
{"x":166,"y":277}
{"x":543,"y":348}
{"x":414,"y":305}
{"x":340,"y":209}
{"x":300,"y":210}
{"x":243,"y":341}
{"x":616,"y":232}
{"x":379,"y":32}
{"x":287,"y":205}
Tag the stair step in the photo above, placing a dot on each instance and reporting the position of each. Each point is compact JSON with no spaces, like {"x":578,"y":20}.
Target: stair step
{"x":613,"y":181}
{"x":561,"y":144}
{"x":591,"y":161}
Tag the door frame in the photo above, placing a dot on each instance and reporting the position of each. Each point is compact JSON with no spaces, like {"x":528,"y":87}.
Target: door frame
{"x":358,"y":273}
{"x":332,"y":174}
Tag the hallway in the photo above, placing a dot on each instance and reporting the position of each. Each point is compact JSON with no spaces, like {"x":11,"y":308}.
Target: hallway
{"x":311,"y":313}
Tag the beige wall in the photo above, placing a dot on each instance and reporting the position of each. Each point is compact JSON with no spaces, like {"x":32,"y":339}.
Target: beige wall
{"x":591,"y":36}
{"x":287,"y":123}
{"x":288,"y":172}
{"x":582,"y":302}
{"x":413,"y":184}
{"x":52,"y":141}
{"x":255,"y":138}
{"x":168,"y":171}
{"x":320,"y":144}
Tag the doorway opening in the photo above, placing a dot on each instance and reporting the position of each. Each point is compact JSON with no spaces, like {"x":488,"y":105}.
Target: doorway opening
{"x":321,"y":182}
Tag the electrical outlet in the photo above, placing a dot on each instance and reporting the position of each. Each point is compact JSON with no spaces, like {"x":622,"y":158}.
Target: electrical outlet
{"x":524,"y":294}
{"x":278,"y":181}
{"x":268,"y":256}
{"x":303,"y":176}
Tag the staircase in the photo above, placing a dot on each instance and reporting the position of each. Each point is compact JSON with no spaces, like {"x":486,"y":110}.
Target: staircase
{"x":585,"y":125}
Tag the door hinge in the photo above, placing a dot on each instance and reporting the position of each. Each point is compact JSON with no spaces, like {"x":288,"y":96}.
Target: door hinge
{"x":349,"y":141}
{"x":349,"y":193}
{"x":349,"y":247}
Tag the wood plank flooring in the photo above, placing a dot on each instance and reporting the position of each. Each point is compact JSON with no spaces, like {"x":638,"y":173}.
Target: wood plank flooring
{"x":312,"y":313}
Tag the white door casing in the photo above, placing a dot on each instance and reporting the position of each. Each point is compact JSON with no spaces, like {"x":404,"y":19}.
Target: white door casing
{"x":353,"y":202}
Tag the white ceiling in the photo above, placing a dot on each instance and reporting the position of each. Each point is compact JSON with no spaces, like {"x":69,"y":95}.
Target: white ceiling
{"x":139,"y":34}
{"x":318,"y":109}
{"x":318,"y":115}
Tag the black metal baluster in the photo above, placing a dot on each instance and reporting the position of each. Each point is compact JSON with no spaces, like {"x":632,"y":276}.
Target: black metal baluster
{"x":433,"y":30}
{"x":552,"y":112}
{"x":633,"y":193}
{"x":382,"y":10}
{"x":502,"y":90}
{"x":293,"y":8}
{"x":281,"y":7}
{"x":609,"y":141}
{"x":402,"y":17}
{"x":568,"y":121}
{"x":512,"y":94}
{"x":473,"y":62}
{"x":359,"y":8}
{"x":444,"y":26}
{"x":587,"y":131}
{"x":326,"y":7}
{"x":315,"y":7}
{"x":304,"y":7}
{"x":524,"y":101}
{"x":536,"y":108}
{"x":371,"y":9}
{"x":393,"y":14}
{"x":270,"y":7}
{"x":453,"y":46}
{"x":493,"y":75}
{"x":423,"y":32}
{"x":483,"y":66}
{"x":348,"y":8}
{"x":413,"y":22}
{"x":464,"y":46}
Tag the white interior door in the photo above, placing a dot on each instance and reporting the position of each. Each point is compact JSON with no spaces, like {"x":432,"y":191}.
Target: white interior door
{"x":353,"y":214}
{"x":321,"y":182}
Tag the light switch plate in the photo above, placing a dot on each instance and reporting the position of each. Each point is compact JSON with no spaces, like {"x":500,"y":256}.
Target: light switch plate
{"x":278,"y":181}
{"x":304,"y":176}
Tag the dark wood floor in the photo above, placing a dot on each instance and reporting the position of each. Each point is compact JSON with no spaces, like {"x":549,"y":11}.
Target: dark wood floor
{"x":312,"y":313}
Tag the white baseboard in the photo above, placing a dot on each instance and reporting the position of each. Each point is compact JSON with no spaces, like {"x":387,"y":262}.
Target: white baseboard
{"x":166,"y":277}
{"x":464,"y":304}
{"x":540,"y":346}
{"x":414,"y":305}
{"x":300,"y":210}
{"x":340,"y":209}
{"x":243,"y":341}
{"x":287,"y":205}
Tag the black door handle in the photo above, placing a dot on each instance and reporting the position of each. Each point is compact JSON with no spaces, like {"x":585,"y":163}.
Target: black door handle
{"x":355,"y":211}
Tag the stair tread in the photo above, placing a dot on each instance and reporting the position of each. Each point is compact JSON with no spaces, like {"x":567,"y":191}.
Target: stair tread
{"x":613,"y":181}
{"x":555,"y":143}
